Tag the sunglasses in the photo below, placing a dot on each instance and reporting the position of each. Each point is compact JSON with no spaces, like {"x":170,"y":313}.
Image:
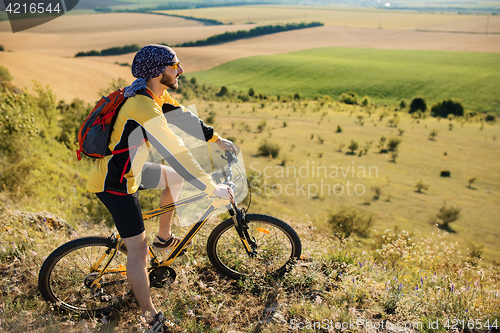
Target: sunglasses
{"x":174,"y":65}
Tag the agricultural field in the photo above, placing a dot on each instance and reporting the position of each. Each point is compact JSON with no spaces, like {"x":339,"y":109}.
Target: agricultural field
{"x":369,"y":18}
{"x":386,"y":76}
{"x":70,"y":34}
{"x":46,"y":52}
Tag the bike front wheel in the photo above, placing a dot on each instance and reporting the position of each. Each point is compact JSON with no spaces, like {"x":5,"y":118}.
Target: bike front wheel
{"x":66,"y":277}
{"x":277,"y":248}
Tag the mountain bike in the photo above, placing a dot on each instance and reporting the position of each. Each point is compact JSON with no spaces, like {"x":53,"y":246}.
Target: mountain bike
{"x":88,"y":275}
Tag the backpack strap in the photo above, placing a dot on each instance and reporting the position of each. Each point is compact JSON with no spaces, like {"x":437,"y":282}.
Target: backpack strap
{"x":144,"y":92}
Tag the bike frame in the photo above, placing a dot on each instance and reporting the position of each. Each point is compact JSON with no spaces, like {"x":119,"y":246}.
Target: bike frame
{"x":214,"y":206}
{"x":237,"y":214}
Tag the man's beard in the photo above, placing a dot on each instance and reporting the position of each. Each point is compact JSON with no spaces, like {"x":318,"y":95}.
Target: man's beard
{"x":169,"y":82}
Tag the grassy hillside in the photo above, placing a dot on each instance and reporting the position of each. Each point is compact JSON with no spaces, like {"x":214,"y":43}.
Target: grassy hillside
{"x":406,"y":280}
{"x":386,"y":76}
{"x":413,"y":273}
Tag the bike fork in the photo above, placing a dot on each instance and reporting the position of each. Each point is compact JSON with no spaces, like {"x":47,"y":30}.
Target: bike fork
{"x":249,"y":243}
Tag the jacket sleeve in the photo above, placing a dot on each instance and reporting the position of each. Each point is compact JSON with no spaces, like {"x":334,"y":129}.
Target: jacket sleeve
{"x":172,"y":149}
{"x":189,"y":122}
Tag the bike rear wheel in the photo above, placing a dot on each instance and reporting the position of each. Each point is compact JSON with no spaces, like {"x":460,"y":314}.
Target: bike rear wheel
{"x":278,"y":247}
{"x":67,"y":274}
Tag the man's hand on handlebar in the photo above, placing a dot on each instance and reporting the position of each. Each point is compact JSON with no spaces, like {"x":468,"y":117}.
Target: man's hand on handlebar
{"x":226,"y":144}
{"x":223,"y":191}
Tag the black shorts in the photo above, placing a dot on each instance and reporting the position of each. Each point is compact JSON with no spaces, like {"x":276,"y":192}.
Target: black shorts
{"x":126,"y":209}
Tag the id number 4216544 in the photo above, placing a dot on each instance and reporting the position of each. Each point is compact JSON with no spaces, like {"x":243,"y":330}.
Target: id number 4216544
{"x":478,"y":324}
{"x":33,"y":8}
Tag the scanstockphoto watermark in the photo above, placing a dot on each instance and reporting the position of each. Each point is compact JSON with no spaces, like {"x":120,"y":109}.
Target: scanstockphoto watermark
{"x":310,"y":180}
{"x":353,"y":325}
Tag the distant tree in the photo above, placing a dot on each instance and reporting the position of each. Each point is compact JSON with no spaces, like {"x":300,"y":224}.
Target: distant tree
{"x":223,"y":91}
{"x":267,"y":148}
{"x":381,"y":144}
{"x":446,"y":215}
{"x":296,"y":97}
{"x":349,"y":98}
{"x":353,"y":146}
{"x":446,"y":108}
{"x":349,"y":221}
{"x":211,"y":117}
{"x":491,"y":118}
{"x":433,"y":134}
{"x":402,"y":104}
{"x":365,"y":101}
{"x":418,"y":103}
{"x":1,"y":48}
{"x":251,"y":92}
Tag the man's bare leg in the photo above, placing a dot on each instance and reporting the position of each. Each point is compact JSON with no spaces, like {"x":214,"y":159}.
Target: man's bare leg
{"x":172,"y":184}
{"x":137,"y":275}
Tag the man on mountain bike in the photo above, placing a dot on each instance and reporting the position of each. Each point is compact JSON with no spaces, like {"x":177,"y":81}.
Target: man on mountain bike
{"x":117,"y":178}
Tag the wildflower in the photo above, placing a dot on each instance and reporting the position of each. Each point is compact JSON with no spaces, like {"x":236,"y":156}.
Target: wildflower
{"x":190,"y":313}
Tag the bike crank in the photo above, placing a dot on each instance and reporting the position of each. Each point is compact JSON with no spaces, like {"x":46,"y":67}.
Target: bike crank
{"x":162,"y":276}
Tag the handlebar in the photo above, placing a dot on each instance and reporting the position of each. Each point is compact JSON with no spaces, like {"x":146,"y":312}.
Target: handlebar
{"x":236,"y":183}
{"x":226,"y":175}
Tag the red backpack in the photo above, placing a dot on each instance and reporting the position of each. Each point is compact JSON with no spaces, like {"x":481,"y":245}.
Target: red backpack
{"x":95,"y":132}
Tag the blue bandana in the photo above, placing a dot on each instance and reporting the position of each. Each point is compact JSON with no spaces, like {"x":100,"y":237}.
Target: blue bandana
{"x":149,"y":62}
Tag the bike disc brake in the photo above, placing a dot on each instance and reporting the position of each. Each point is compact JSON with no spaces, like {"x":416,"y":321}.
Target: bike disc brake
{"x":162,"y":276}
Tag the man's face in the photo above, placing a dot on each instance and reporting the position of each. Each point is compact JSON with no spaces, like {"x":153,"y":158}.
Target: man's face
{"x":170,"y":76}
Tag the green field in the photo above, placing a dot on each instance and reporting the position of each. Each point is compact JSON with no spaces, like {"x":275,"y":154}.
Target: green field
{"x":386,"y":76}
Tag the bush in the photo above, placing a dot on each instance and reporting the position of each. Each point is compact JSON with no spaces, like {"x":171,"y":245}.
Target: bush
{"x":365,"y":101}
{"x":417,"y":104}
{"x":210,"y":120}
{"x":491,"y":118}
{"x":5,"y":75}
{"x":223,"y":91}
{"x":393,"y":144}
{"x":433,"y":134}
{"x":448,"y":107}
{"x":421,"y":186}
{"x":353,"y":146}
{"x":446,"y":215}
{"x":349,"y":221}
{"x":262,"y":125}
{"x":267,"y":148}
{"x":349,"y":98}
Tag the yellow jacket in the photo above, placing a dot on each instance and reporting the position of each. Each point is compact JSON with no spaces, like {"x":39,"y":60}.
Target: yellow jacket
{"x":141,"y":117}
